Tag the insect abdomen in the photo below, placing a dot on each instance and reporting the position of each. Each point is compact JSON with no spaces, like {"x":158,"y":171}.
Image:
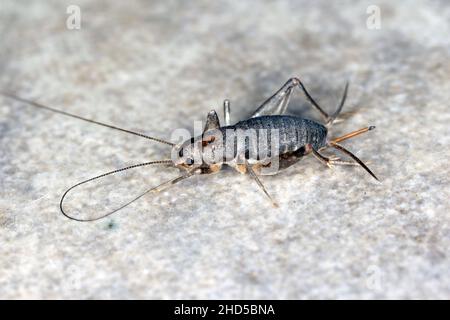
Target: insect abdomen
{"x":293,"y":134}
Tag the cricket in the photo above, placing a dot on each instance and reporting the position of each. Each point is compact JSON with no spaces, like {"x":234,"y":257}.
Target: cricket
{"x":264,"y":144}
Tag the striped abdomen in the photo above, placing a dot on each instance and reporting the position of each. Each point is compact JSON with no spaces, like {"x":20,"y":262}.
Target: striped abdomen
{"x":269,"y":136}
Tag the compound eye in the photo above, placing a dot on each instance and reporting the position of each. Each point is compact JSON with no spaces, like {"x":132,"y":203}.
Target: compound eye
{"x":189,"y":161}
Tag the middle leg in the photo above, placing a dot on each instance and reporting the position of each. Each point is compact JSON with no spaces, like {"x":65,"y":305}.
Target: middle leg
{"x":252,"y":174}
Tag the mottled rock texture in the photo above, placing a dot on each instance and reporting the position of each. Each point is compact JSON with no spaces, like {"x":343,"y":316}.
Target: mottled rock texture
{"x":157,"y":66}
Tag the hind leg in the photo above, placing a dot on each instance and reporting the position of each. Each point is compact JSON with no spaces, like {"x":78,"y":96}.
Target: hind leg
{"x":331,"y":161}
{"x":277,"y":104}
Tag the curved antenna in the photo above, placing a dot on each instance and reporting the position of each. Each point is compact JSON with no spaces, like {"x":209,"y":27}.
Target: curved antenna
{"x":107,"y":174}
{"x":41,"y":106}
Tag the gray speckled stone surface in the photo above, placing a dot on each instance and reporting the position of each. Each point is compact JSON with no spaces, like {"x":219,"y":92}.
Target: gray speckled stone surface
{"x":160,"y":66}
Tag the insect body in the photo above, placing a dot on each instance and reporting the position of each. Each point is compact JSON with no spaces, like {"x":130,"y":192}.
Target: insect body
{"x":264,"y":144}
{"x":262,"y":138}
{"x":296,"y":137}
